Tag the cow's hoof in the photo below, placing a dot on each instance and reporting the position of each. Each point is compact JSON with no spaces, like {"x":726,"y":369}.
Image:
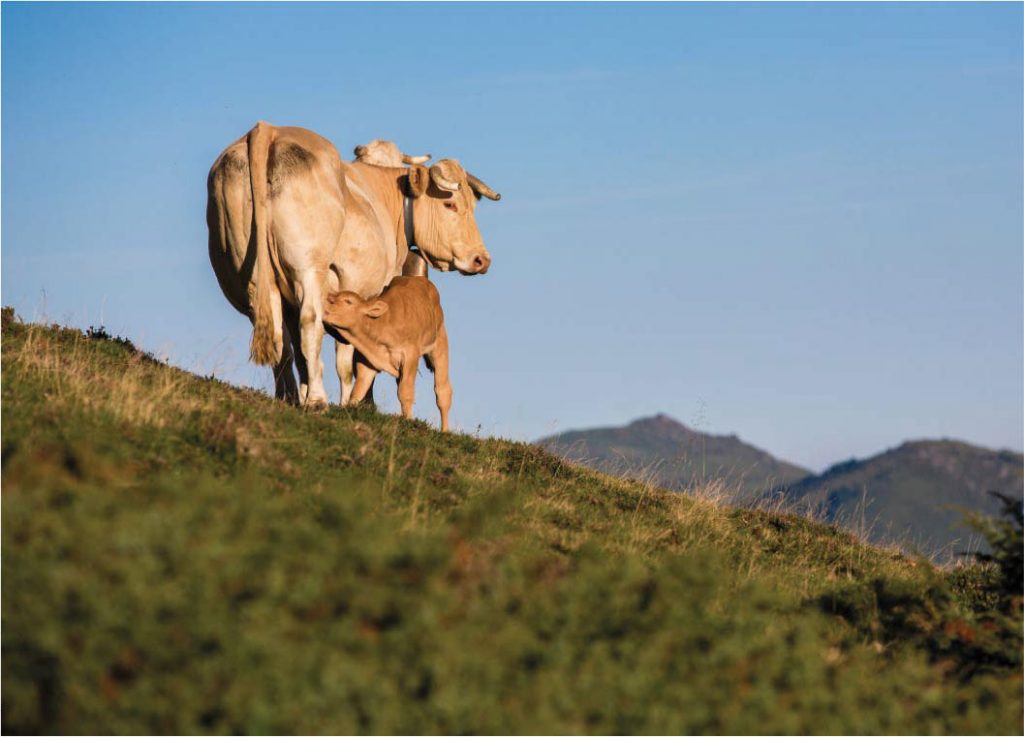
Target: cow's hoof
{"x":315,"y":405}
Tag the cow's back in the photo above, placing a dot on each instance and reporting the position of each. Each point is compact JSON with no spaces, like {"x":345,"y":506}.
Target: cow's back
{"x":300,"y":157}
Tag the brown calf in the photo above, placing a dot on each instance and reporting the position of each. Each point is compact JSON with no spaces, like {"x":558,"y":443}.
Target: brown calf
{"x":390,"y":334}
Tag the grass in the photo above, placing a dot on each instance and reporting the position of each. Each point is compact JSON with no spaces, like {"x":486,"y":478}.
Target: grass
{"x":181,"y":555}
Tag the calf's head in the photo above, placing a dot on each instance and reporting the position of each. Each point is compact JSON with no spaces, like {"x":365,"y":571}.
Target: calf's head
{"x":444,"y":224}
{"x":347,"y":309}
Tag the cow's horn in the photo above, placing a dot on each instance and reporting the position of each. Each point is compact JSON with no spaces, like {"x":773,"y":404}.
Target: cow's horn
{"x":441,"y":181}
{"x":407,"y":159}
{"x":482,"y":189}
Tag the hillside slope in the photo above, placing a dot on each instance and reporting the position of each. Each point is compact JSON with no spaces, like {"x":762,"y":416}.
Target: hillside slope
{"x":916,"y":493}
{"x":673,"y":456}
{"x":183,"y":556}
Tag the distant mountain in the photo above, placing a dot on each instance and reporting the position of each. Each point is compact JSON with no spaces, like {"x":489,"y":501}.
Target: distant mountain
{"x":915,"y":494}
{"x":673,"y":456}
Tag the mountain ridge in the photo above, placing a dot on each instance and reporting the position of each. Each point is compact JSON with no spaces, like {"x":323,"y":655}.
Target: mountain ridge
{"x":667,"y":452}
{"x":919,"y":492}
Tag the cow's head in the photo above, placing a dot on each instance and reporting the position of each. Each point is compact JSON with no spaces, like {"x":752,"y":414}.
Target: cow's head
{"x":443,"y":199}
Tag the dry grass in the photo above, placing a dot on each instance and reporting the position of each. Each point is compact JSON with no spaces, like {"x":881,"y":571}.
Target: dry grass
{"x":142,"y":392}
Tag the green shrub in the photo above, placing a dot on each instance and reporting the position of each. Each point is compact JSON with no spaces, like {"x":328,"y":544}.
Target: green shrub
{"x":1005,"y":536}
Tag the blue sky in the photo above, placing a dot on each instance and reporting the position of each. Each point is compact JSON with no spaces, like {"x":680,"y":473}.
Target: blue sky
{"x":800,"y":223}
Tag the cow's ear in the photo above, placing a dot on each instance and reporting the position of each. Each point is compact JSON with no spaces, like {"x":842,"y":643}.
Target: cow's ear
{"x":375,"y":309}
{"x":419,"y":180}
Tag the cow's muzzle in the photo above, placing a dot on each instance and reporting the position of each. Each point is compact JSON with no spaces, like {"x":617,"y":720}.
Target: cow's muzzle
{"x":479,"y":264}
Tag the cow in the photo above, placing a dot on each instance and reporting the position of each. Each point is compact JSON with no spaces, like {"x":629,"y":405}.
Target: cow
{"x":379,"y":152}
{"x":385,"y":153}
{"x":390,"y":333}
{"x":289,"y":222}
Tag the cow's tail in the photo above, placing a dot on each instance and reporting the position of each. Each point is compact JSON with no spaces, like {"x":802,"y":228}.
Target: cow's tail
{"x":265,"y":347}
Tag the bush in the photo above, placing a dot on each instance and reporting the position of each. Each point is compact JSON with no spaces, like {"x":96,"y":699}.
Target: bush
{"x":1006,"y":538}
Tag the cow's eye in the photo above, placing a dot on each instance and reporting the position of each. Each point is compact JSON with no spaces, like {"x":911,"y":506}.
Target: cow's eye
{"x":451,"y":206}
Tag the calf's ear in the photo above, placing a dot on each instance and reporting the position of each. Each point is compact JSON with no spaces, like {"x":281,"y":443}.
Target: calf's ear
{"x":375,"y":309}
{"x":419,"y":180}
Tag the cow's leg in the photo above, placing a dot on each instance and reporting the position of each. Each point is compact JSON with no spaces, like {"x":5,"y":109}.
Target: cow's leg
{"x":437,"y":360}
{"x":311,"y":340}
{"x":285,"y":387}
{"x":364,"y":381}
{"x":407,"y":387}
{"x":344,"y":355}
{"x":291,"y":329}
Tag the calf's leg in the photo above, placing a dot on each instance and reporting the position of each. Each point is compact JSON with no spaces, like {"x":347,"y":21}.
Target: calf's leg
{"x":407,"y":387}
{"x":364,"y":381}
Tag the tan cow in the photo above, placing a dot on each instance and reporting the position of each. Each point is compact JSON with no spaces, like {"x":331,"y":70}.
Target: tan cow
{"x":291,"y":222}
{"x":390,"y":334}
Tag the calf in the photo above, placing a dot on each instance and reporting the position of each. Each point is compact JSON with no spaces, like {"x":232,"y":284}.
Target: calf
{"x":390,"y":333}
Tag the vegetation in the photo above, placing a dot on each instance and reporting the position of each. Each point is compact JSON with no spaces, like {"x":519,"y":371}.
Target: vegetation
{"x":180,"y":555}
{"x":1006,"y":561}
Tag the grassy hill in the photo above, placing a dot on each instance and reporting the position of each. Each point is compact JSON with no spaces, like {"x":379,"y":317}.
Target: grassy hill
{"x":917,"y":493}
{"x":672,"y":456}
{"x":180,"y":555}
